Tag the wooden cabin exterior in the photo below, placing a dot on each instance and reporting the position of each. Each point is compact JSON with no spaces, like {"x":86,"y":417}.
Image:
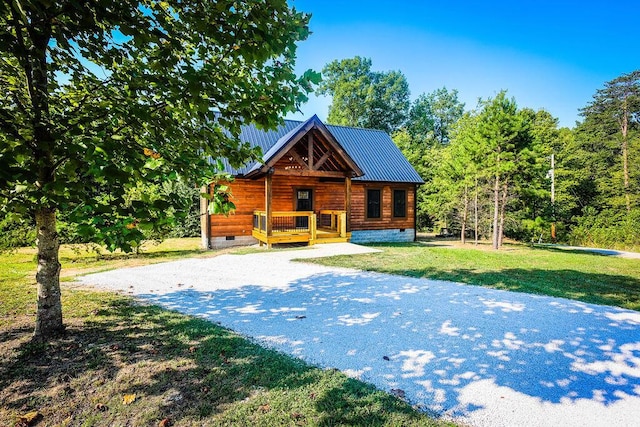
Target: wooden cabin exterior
{"x":318,"y":184}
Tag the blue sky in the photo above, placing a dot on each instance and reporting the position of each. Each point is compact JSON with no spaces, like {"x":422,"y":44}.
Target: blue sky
{"x":550,"y":55}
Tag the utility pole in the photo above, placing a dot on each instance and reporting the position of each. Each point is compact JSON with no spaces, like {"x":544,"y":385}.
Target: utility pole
{"x":553,"y":198}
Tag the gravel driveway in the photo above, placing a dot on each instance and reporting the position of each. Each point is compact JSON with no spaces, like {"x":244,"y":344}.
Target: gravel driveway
{"x":479,"y":356}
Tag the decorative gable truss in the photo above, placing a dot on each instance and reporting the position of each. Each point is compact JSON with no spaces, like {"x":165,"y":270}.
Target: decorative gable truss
{"x":311,"y":154}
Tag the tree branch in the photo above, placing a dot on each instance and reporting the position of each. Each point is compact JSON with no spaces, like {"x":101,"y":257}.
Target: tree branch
{"x":21,"y":50}
{"x":89,"y":94}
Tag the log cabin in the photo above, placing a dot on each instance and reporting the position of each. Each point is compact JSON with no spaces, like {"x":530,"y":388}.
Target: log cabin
{"x":317,"y":183}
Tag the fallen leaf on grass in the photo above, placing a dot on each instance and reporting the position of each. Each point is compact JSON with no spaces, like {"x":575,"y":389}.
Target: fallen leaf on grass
{"x":166,"y":422}
{"x":128,"y":399}
{"x":29,"y":419}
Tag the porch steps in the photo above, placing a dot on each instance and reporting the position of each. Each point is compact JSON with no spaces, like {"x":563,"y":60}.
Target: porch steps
{"x":323,"y":236}
{"x":338,"y":239}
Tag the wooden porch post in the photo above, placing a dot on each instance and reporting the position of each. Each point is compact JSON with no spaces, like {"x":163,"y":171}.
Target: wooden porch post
{"x":268,"y":196}
{"x":313,"y":228}
{"x":205,"y":220}
{"x":347,"y":200}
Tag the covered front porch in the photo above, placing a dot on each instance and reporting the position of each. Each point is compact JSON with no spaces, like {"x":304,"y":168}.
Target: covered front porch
{"x":329,"y":226}
{"x":309,"y":171}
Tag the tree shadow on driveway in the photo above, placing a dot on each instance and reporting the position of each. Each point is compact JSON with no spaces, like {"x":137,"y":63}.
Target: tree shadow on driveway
{"x":451,"y":349}
{"x":180,"y":368}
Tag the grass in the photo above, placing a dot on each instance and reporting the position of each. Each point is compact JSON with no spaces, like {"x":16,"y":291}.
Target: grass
{"x":575,"y":275}
{"x":182,"y":370}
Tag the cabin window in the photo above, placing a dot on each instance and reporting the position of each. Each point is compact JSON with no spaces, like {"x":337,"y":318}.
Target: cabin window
{"x":399,"y":203}
{"x":373,"y":203}
{"x":303,"y":194}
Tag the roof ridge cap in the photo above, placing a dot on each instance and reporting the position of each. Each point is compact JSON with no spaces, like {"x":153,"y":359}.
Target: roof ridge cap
{"x":358,"y":127}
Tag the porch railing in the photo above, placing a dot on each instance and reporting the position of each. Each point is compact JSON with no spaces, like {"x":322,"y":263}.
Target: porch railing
{"x":301,"y":224}
{"x":335,"y":221}
{"x":304,"y":226}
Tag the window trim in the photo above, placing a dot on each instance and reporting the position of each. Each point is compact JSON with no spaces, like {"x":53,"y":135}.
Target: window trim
{"x":393,"y":203}
{"x":380,"y":203}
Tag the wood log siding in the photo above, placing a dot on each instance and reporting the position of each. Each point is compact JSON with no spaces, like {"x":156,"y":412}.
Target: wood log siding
{"x":249,"y":195}
{"x":359,"y":220}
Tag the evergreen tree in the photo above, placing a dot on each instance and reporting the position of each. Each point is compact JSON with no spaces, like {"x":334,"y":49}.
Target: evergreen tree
{"x":617,"y":107}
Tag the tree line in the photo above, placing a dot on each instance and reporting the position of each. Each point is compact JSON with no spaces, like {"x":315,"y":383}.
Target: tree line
{"x":488,"y":170}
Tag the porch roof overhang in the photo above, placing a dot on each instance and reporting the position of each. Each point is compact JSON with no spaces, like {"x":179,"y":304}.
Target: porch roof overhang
{"x":290,"y":139}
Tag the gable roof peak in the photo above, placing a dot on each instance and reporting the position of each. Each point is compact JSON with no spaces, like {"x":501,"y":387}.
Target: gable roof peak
{"x":288,"y":140}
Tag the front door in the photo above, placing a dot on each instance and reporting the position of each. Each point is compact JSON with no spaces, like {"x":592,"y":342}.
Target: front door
{"x":304,"y":202}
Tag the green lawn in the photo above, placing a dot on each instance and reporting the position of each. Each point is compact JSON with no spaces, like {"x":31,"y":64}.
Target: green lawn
{"x":576,"y":275}
{"x":173,"y":367}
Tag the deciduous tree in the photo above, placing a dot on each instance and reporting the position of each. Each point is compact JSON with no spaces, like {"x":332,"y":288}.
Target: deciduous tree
{"x":422,"y":139}
{"x":433,"y":115}
{"x":365,"y":98}
{"x":99,"y":95}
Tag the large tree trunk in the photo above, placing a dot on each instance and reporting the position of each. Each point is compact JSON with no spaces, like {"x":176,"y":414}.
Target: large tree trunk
{"x":49,"y":314}
{"x":496,"y":211}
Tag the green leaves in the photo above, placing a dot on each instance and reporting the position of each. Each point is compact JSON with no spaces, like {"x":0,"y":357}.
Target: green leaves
{"x":220,"y":197}
{"x":598,"y":173}
{"x":312,"y":77}
{"x":137,"y":92}
{"x":361,"y":97}
{"x":86,"y":87}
